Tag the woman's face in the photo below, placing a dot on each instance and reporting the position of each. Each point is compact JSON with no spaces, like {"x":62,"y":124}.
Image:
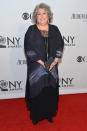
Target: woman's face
{"x":42,"y":16}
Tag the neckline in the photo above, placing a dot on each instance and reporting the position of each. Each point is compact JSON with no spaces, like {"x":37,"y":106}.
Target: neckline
{"x":40,"y":31}
{"x":43,"y":30}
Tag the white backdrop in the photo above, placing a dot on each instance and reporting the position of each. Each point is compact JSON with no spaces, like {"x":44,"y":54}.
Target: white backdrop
{"x":15,"y":17}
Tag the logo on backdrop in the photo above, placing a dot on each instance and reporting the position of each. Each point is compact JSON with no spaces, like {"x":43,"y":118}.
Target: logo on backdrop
{"x":7,"y":42}
{"x":79,"y":16}
{"x":10,"y":86}
{"x":69,"y":40}
{"x":2,"y":42}
{"x":66,"y":82}
{"x":81,"y":59}
{"x":21,"y":62}
{"x":26,"y":16}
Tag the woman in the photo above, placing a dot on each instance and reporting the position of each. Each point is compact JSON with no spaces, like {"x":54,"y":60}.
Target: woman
{"x":42,"y":42}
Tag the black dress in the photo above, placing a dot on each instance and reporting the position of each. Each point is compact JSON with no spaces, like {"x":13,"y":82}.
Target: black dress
{"x":42,"y":87}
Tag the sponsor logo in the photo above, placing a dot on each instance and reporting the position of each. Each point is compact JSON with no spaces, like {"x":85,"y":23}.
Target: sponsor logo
{"x":79,"y":16}
{"x":10,"y":86}
{"x":3,"y":85}
{"x":66,"y":82}
{"x":7,"y":42}
{"x":69,"y":40}
{"x":2,"y":42}
{"x":26,"y":16}
{"x":81,"y":59}
{"x":21,"y":62}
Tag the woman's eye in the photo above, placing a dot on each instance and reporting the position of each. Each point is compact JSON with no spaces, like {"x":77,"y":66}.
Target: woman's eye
{"x":41,"y":14}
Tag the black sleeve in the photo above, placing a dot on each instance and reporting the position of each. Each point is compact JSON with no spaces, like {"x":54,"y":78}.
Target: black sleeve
{"x":60,"y":44}
{"x":30,"y":51}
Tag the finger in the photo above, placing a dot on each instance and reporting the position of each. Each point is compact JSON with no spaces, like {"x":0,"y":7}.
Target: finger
{"x":43,"y":65}
{"x":50,"y":68}
{"x":53,"y":64}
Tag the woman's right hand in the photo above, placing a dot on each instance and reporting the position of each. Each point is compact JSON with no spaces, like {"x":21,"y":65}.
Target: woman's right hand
{"x":41,"y":63}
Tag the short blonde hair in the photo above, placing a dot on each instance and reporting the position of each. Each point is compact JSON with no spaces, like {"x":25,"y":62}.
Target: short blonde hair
{"x":43,"y":6}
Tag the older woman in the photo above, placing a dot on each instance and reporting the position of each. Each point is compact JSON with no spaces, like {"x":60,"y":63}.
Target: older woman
{"x":43,"y":44}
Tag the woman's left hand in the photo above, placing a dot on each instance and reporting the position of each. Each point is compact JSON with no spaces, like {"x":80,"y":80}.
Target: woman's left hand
{"x":51,"y":66}
{"x":56,"y":61}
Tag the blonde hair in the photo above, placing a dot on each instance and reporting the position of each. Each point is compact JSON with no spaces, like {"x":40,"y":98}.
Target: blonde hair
{"x":43,"y":6}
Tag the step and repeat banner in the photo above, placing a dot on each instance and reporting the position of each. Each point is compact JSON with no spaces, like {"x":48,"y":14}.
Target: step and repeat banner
{"x":15,"y":17}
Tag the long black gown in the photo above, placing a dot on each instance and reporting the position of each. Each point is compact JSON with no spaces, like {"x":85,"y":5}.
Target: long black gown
{"x":42,"y":88}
